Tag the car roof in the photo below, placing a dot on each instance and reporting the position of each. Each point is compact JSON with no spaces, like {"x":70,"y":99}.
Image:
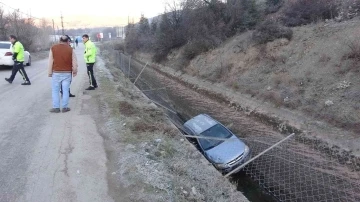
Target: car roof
{"x":200,"y":123}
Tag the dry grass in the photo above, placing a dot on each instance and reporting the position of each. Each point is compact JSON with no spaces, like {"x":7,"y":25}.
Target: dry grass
{"x":143,"y":126}
{"x":351,"y":58}
{"x":235,"y":86}
{"x":324,"y":58}
{"x":274,"y":97}
{"x":271,"y":30}
{"x":282,"y":78}
{"x":275,"y":58}
{"x":354,"y":50}
{"x":126,"y":108}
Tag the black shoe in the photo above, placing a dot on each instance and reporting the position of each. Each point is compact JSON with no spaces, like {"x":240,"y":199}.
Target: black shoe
{"x":90,"y":88}
{"x":26,"y":83}
{"x":64,"y":110}
{"x":95,"y":86}
{"x":8,"y":80}
{"x":55,"y":110}
{"x":71,"y":95}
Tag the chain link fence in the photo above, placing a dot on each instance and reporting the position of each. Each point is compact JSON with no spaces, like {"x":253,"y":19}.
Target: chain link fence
{"x":299,"y":169}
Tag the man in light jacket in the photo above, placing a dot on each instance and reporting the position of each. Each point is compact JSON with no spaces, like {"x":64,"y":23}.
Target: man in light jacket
{"x":90,"y":58}
{"x":18,"y":58}
{"x":62,"y":65}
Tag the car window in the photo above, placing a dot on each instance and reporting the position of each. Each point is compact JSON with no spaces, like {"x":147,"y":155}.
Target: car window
{"x":187,"y":131}
{"x":5,"y":46}
{"x":217,"y":131}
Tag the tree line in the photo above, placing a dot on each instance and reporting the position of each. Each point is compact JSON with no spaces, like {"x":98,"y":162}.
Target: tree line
{"x":201,"y":25}
{"x":33,"y":37}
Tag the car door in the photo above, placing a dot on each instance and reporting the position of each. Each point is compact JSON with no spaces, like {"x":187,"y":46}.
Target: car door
{"x":26,"y":57}
{"x":4,"y":49}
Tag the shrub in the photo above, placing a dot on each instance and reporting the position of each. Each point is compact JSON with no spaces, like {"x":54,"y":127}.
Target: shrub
{"x":243,"y":15}
{"x":194,"y":48}
{"x":301,"y":12}
{"x":169,"y":35}
{"x":119,"y":47}
{"x":354,"y":50}
{"x":132,"y":40}
{"x":269,"y":31}
{"x":272,"y":6}
{"x":351,"y":58}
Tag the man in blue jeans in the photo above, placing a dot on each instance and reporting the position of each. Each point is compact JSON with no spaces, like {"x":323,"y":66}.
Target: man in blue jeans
{"x":62,"y":66}
{"x":70,"y":95}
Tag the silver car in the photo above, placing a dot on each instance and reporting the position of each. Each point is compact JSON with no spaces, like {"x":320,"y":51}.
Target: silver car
{"x":223,"y":149}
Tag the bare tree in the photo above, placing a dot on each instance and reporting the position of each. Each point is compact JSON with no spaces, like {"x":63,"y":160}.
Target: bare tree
{"x":198,"y":25}
{"x":24,"y":28}
{"x":3,"y":25}
{"x":42,"y":39}
{"x":175,"y":13}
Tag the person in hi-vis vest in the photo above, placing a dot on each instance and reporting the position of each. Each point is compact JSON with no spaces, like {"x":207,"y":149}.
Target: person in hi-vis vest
{"x":18,"y":58}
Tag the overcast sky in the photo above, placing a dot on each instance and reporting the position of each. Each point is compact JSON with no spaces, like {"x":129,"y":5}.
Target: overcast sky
{"x":71,"y":8}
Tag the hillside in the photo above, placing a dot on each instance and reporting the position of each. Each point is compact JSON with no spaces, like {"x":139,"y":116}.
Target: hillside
{"x":311,"y":76}
{"x":314,"y":72}
{"x":302,"y":67}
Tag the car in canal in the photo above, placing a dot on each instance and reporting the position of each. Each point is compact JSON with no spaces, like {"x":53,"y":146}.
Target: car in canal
{"x":218,"y":144}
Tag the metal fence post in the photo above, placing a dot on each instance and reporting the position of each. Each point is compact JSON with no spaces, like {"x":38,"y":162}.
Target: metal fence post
{"x":129,"y":66}
{"x":140,"y":74}
{"x":120,"y":60}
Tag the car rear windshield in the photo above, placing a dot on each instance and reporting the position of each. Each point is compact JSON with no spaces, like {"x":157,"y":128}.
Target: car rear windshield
{"x":4,"y":46}
{"x":217,"y":131}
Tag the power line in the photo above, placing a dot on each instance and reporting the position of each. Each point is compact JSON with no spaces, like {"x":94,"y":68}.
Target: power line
{"x":18,"y":10}
{"x":62,"y":24}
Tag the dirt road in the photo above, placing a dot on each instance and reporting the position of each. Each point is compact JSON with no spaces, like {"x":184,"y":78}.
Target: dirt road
{"x":44,"y":156}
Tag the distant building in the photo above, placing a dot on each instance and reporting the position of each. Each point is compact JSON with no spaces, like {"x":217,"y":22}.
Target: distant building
{"x":54,"y":38}
{"x":120,"y":32}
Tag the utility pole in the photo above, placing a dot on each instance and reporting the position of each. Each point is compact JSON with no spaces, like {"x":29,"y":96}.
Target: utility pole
{"x":62,"y":24}
{"x":54,"y":30}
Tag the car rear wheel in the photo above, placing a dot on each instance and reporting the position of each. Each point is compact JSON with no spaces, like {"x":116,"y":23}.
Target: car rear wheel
{"x":29,"y":62}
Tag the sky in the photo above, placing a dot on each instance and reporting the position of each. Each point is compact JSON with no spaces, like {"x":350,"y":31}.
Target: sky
{"x":83,"y":13}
